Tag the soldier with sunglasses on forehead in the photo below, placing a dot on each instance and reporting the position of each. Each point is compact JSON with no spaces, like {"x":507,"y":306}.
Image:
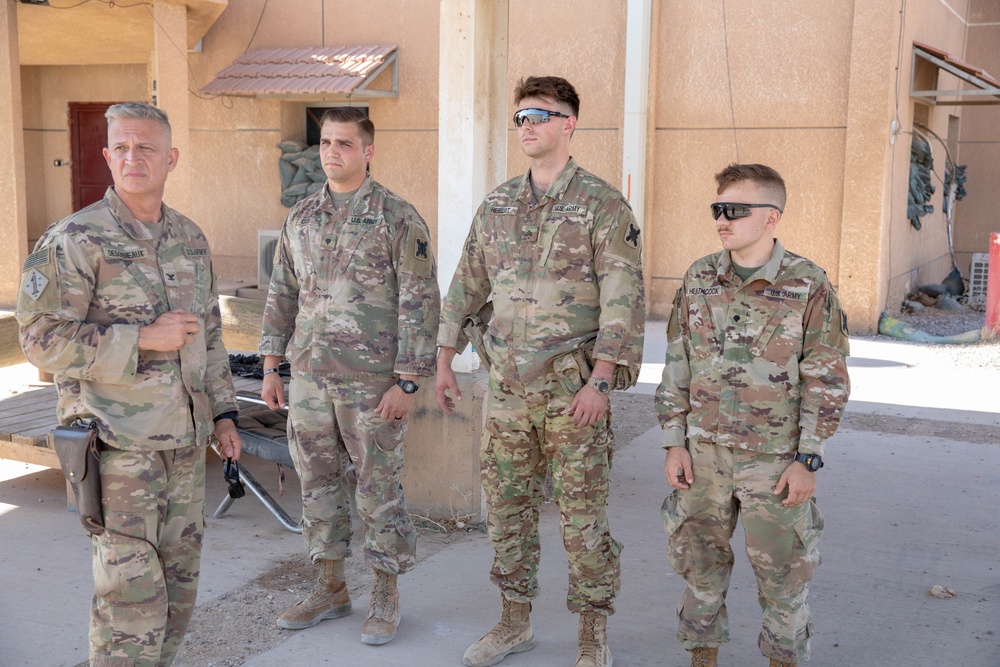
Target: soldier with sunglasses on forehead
{"x":755,"y":382}
{"x":558,"y":251}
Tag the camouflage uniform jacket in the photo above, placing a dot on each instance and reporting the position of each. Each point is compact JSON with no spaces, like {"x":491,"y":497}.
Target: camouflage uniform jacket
{"x":354,"y":291}
{"x":758,"y":365}
{"x":564,"y":273}
{"x":92,"y":281}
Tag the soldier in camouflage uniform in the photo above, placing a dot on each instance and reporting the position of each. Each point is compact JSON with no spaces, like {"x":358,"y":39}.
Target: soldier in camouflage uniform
{"x":118,"y":301}
{"x":755,"y":382}
{"x":559,"y":253}
{"x":353,"y":304}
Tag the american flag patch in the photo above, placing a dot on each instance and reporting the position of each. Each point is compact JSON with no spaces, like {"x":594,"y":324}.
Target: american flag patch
{"x":37,"y":258}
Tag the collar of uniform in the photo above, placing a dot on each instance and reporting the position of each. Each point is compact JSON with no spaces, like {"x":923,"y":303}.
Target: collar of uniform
{"x":771,"y":269}
{"x":555,"y":191}
{"x":134,"y":228}
{"x":363,"y":191}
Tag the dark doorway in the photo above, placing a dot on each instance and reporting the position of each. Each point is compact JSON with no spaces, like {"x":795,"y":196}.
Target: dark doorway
{"x":88,"y":131}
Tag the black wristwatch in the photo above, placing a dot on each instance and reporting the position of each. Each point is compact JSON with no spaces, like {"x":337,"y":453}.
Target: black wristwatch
{"x":408,"y":386}
{"x":811,"y":461}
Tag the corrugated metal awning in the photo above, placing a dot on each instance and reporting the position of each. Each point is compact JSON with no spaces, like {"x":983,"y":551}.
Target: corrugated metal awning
{"x":337,"y":72}
{"x":986,"y":91}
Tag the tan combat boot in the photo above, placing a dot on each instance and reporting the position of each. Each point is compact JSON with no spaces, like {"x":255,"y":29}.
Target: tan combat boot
{"x":704,"y":656}
{"x":329,"y":599}
{"x":781,"y":663}
{"x":383,"y":613}
{"x":593,"y":634}
{"x":513,"y":634}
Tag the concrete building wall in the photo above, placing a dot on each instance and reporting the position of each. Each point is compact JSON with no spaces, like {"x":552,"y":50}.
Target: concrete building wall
{"x":979,"y":143}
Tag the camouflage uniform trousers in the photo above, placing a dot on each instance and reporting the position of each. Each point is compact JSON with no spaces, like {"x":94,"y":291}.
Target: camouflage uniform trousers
{"x":780,"y":542}
{"x":328,"y":418}
{"x":530,"y":431}
{"x":146,"y":580}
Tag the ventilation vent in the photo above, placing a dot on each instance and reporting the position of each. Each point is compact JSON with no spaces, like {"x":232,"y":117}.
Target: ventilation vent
{"x":267,"y":241}
{"x":978,"y":272}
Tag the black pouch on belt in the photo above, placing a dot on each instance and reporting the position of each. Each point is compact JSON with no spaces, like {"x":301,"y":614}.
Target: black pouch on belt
{"x":76,"y":447}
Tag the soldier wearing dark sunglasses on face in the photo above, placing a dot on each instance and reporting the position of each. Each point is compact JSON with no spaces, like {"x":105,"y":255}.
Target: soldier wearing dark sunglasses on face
{"x":755,"y":382}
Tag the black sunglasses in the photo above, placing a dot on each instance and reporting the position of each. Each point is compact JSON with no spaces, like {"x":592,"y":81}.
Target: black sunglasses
{"x":231,"y":471}
{"x":734,"y":211}
{"x":535,"y":116}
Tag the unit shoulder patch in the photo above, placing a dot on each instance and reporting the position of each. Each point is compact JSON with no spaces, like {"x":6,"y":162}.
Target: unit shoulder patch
{"x":627,"y":243}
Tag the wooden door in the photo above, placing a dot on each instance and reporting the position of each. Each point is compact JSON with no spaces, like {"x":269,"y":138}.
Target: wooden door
{"x":88,"y":129}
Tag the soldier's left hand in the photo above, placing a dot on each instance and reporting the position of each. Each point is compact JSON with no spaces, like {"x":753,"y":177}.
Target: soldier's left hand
{"x":230,"y":443}
{"x":588,"y":407}
{"x":801,"y":483}
{"x":395,"y":404}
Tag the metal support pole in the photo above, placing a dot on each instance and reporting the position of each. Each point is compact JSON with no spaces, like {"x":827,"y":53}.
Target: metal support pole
{"x":992,"y":329}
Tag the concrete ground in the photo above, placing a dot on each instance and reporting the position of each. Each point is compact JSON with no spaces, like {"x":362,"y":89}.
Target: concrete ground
{"x":908,"y":494}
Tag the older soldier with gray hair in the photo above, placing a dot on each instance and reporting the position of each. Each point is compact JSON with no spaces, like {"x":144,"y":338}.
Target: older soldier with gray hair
{"x":353,"y":304}
{"x":118,"y":301}
{"x":558,"y":252}
{"x":755,"y":382}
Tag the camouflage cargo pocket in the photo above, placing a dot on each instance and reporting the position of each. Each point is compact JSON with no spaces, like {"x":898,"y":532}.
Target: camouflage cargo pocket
{"x":678,"y":549}
{"x":567,"y":370}
{"x":808,"y":529}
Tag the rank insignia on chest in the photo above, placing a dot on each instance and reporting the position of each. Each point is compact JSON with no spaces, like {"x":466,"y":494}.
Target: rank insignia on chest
{"x":329,"y":241}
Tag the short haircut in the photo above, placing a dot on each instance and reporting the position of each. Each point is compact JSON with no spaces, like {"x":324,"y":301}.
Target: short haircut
{"x":760,"y":174}
{"x":551,"y":87}
{"x":351,"y":115}
{"x":138,"y":111}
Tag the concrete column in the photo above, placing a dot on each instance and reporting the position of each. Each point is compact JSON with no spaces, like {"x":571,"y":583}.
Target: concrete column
{"x":868,"y":187}
{"x":14,"y":218}
{"x":472,"y":126}
{"x":170,"y":76}
{"x":637,"y":31}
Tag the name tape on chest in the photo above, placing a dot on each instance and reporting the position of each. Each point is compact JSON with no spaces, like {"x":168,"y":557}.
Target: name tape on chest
{"x":125,"y":253}
{"x":777,"y":293}
{"x":704,"y":291}
{"x":503,"y":210}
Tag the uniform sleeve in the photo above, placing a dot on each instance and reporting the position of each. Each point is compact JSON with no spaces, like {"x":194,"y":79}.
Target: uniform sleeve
{"x":618,"y":264}
{"x":469,"y":290}
{"x":825,"y":384}
{"x":673,"y":395}
{"x":282,"y":305}
{"x":56,"y":288}
{"x":419,"y":300}
{"x":218,"y":375}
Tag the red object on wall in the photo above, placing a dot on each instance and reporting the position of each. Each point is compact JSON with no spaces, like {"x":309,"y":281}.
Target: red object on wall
{"x":993,"y":286}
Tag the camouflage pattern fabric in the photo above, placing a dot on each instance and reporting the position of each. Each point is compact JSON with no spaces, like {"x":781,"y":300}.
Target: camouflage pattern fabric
{"x":758,"y":365}
{"x":146,"y":573}
{"x":564,"y":273}
{"x":528,"y":433}
{"x":92,"y":281}
{"x":354,"y":291}
{"x":328,"y":418}
{"x":781,"y":544}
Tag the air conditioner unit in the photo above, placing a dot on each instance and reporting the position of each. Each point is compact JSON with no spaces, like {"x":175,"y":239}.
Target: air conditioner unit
{"x":978,"y":273}
{"x":267,"y":241}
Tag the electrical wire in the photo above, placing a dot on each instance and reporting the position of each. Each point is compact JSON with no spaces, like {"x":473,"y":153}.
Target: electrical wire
{"x":729,"y":81}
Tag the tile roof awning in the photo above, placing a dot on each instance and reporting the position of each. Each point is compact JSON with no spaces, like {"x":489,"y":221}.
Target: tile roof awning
{"x":986,"y":88}
{"x":338,"y":72}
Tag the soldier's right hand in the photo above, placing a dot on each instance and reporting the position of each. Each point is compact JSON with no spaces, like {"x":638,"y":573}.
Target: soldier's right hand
{"x":445,"y":381}
{"x":273,"y":392}
{"x":678,"y":468}
{"x":170,"y":331}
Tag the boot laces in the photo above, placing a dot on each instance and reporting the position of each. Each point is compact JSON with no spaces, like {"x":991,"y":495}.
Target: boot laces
{"x":588,"y":637}
{"x":380,"y":594}
{"x":699,"y":657}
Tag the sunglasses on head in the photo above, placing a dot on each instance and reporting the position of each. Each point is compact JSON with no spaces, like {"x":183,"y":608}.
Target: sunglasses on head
{"x":535,"y":116}
{"x":734,"y":211}
{"x":231,"y":471}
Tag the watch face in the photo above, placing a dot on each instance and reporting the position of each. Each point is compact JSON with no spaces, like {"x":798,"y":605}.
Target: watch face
{"x":408,"y":386}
